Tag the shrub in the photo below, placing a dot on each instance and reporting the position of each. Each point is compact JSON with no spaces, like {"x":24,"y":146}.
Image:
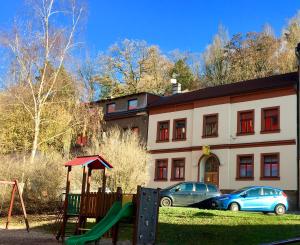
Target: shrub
{"x":44,"y":181}
{"x":127,"y":155}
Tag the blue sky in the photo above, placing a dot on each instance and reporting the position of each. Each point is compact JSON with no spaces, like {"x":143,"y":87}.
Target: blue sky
{"x":171,"y":24}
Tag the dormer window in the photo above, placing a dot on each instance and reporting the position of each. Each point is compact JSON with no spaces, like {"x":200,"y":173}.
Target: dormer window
{"x":132,"y":104}
{"x":111,"y":107}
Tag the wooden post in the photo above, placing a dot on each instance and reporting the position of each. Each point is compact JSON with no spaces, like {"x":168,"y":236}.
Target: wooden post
{"x":83,"y":186}
{"x":82,"y":219}
{"x":11,"y":204}
{"x":23,"y":205}
{"x":103,"y":181}
{"x":115,"y":229}
{"x":61,"y":232}
{"x":88,"y":185}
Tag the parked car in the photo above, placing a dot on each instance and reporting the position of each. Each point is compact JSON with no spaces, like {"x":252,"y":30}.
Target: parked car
{"x":188,"y":194}
{"x":254,"y":198}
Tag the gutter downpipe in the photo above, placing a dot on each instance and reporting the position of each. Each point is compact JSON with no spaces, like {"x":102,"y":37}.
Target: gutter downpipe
{"x":297,"y":52}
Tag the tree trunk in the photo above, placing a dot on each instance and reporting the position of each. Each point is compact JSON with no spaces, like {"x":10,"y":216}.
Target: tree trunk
{"x":37,"y":124}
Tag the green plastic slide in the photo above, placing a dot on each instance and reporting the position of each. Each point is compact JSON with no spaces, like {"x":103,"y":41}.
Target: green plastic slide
{"x":115,"y":214}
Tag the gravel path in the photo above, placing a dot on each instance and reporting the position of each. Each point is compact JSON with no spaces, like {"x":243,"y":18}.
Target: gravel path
{"x":21,"y":236}
{"x":24,"y":237}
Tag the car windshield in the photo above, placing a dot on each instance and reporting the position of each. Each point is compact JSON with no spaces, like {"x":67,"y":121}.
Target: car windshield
{"x":170,"y":187}
{"x":240,"y":190}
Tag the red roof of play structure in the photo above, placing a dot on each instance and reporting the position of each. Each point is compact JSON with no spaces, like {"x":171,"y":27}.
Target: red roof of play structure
{"x":93,"y":162}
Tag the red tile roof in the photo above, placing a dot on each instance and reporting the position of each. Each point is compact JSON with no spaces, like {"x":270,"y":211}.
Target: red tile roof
{"x":93,"y":162}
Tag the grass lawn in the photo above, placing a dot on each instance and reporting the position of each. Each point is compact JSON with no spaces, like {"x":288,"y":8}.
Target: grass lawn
{"x":196,"y":226}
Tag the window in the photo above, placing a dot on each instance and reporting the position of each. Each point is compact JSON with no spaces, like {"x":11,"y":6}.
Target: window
{"x":163,"y":131}
{"x":161,"y":169}
{"x":185,"y":187}
{"x":212,"y":188}
{"x":81,"y":140}
{"x":270,"y":192}
{"x":132,"y":104}
{"x":178,"y":166}
{"x":245,"y":167}
{"x":245,"y":122}
{"x":254,"y":192}
{"x":201,"y":187}
{"x":111,"y":107}
{"x":270,"y":166}
{"x":270,"y":120}
{"x":210,"y":125}
{"x":179,"y":132}
{"x":135,"y":130}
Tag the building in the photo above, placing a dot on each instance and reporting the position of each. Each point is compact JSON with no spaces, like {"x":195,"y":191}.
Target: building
{"x":233,"y":135}
{"x":128,"y":112}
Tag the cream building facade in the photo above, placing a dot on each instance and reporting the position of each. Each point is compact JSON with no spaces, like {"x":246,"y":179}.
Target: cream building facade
{"x":232,"y":135}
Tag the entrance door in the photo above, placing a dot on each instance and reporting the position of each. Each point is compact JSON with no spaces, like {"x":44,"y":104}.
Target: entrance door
{"x":211,"y":173}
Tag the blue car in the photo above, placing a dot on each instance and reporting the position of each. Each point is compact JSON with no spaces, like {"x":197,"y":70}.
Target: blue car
{"x":254,"y":198}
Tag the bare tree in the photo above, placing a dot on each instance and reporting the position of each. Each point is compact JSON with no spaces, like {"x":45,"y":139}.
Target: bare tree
{"x":132,"y":66}
{"x":36,"y":49}
{"x":215,"y":64}
{"x":88,"y":72}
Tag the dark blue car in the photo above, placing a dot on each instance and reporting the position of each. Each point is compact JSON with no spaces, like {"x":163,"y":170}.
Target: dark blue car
{"x":254,"y":198}
{"x":197,"y":194}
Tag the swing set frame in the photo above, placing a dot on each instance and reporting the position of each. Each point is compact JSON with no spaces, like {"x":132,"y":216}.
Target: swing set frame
{"x":15,"y":187}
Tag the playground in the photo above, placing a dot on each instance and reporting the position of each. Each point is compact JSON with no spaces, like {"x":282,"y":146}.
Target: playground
{"x":175,"y":227}
{"x":71,"y":224}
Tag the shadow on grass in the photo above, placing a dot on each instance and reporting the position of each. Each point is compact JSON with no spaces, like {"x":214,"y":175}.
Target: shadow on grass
{"x":210,"y":232}
{"x":223,"y":234}
{"x":203,"y":214}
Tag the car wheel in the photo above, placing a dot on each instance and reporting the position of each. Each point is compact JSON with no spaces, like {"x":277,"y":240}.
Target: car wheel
{"x":280,"y":209}
{"x":166,"y":202}
{"x":234,"y":207}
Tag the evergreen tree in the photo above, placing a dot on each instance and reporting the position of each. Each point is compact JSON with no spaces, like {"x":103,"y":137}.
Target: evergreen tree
{"x":183,"y":74}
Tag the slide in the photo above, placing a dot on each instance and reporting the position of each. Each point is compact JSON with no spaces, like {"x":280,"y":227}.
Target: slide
{"x":115,"y":214}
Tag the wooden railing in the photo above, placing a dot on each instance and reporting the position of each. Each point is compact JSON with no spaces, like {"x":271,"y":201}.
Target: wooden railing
{"x":73,"y":204}
{"x":94,"y":204}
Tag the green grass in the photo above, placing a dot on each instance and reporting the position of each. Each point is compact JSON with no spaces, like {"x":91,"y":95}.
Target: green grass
{"x":195,"y":226}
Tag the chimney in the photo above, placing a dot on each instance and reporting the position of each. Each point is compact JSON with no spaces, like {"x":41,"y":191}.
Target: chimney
{"x":176,"y":87}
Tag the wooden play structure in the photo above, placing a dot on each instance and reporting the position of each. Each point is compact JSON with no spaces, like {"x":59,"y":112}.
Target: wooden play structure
{"x":142,"y":211}
{"x":15,"y":188}
{"x":87,"y":204}
{"x":107,"y":208}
